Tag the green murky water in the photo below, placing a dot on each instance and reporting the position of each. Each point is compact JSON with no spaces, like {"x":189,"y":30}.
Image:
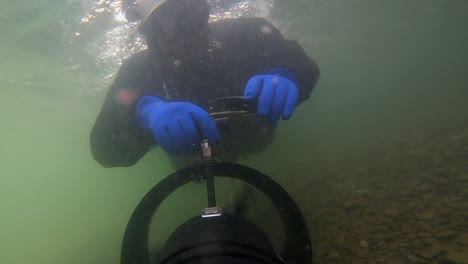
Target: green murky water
{"x":394,"y":81}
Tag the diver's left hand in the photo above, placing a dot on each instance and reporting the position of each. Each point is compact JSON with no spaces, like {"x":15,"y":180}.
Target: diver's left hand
{"x":277,"y":95}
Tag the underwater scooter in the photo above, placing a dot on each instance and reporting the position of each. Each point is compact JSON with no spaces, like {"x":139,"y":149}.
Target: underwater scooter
{"x":216,"y":237}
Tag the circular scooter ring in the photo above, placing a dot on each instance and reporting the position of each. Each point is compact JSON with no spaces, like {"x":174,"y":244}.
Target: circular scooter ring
{"x":297,"y":242}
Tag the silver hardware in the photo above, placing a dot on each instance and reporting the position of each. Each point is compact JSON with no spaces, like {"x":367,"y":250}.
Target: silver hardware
{"x":211,"y":212}
{"x":207,"y":153}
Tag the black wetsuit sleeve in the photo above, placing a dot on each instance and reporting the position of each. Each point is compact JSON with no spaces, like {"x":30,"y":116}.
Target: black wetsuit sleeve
{"x":117,"y":139}
{"x":265,"y":49}
{"x":306,"y":70}
{"x":278,"y":52}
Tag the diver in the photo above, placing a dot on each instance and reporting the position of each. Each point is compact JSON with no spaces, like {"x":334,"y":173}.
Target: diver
{"x":162,"y":95}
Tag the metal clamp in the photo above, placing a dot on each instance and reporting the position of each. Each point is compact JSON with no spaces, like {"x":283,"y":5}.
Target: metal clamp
{"x":211,"y":212}
{"x":207,"y":151}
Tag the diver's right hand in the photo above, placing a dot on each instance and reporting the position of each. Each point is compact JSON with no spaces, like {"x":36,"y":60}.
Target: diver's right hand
{"x":176,"y":125}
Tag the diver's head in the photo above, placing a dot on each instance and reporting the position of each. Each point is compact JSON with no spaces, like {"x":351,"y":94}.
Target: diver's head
{"x":138,"y":10}
{"x":176,"y":24}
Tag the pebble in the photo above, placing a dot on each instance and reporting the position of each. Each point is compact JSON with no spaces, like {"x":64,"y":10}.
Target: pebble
{"x":364,"y":244}
{"x":333,"y":257}
{"x":392,"y":211}
{"x":447,"y":234}
{"x":432,"y":253}
{"x":416,"y":260}
{"x":446,"y":261}
{"x":426,"y":215}
{"x":460,"y":257}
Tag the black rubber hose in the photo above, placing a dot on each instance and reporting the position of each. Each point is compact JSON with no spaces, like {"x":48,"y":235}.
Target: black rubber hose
{"x":297,"y":242}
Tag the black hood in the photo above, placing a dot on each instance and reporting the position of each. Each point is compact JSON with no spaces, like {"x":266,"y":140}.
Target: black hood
{"x":176,"y":21}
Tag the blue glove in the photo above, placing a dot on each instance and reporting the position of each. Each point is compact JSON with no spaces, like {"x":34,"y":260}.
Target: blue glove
{"x":278,"y":93}
{"x":176,"y":125}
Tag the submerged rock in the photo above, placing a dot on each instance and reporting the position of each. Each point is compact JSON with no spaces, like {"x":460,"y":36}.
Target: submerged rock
{"x":392,"y":211}
{"x":431,"y":253}
{"x":364,"y":244}
{"x":459,"y":257}
{"x":417,"y":260}
{"x":333,"y":257}
{"x":447,"y":234}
